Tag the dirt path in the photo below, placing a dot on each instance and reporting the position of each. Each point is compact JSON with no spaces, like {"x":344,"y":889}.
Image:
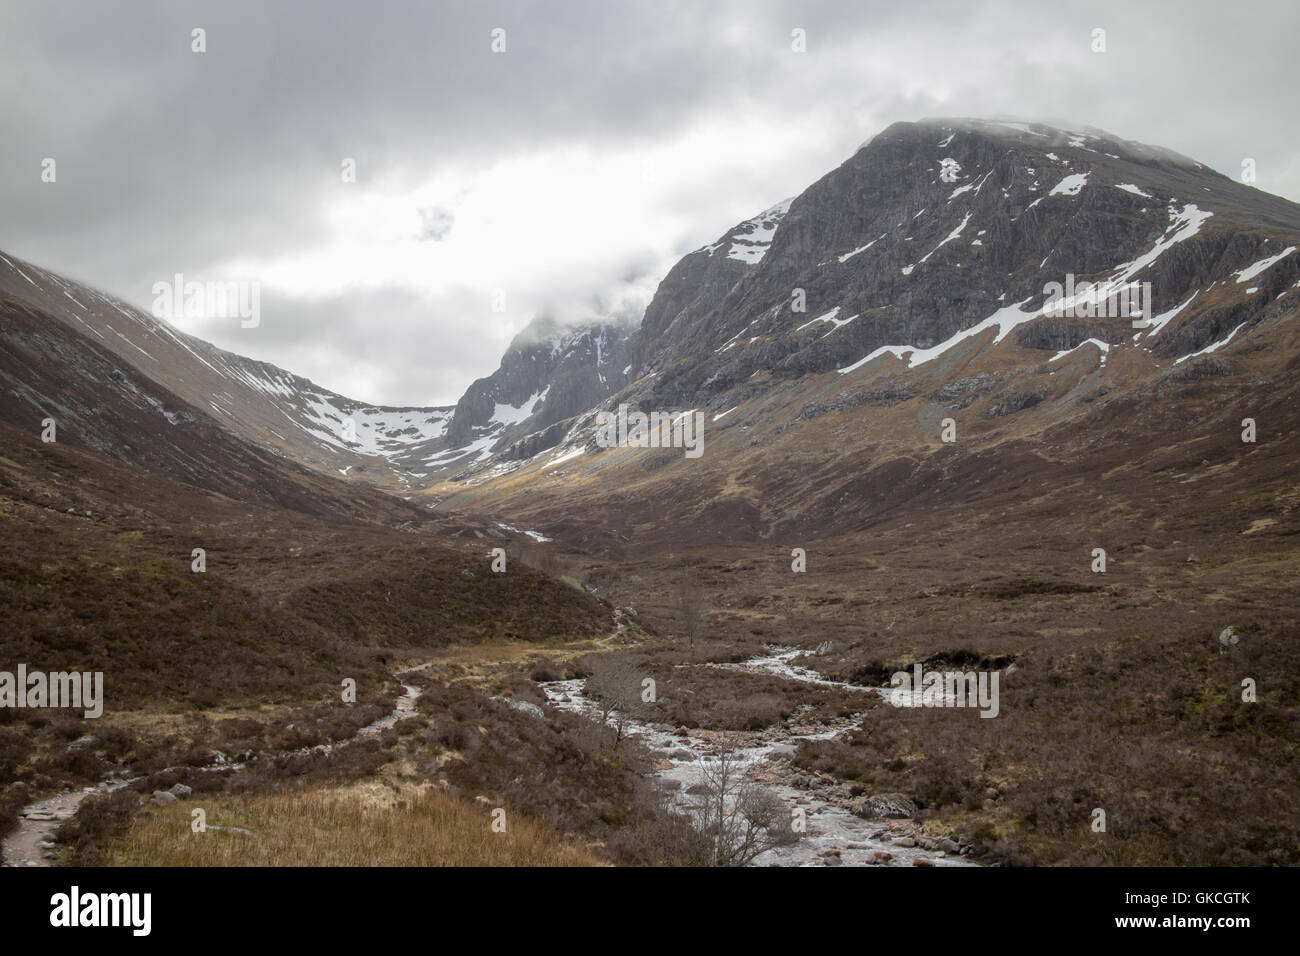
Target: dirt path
{"x":834,"y":834}
{"x":31,"y":844}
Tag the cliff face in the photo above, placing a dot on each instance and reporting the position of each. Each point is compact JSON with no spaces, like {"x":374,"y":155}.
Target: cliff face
{"x":548,"y":374}
{"x":932,"y":227}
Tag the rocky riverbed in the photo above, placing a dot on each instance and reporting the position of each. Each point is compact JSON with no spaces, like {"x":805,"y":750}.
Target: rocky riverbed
{"x":840,"y":829}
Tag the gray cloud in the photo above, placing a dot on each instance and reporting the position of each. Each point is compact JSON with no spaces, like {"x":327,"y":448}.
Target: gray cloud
{"x":347,"y":341}
{"x":171,"y":161}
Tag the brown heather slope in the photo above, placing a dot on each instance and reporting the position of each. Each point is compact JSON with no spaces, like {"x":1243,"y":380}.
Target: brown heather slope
{"x":93,"y":582}
{"x":308,"y":580}
{"x":290,"y":604}
{"x":99,"y":403}
{"x":979,"y":554}
{"x":272,"y":409}
{"x":843,"y":453}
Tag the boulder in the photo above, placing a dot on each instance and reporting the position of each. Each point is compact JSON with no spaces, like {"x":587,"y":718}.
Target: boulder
{"x":1227,"y":638}
{"x":890,"y":806}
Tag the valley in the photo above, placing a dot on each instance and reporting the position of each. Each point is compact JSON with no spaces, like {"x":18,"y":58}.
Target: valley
{"x":684,"y":657}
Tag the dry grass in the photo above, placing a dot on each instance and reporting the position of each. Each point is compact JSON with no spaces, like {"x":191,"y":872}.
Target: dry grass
{"x":366,"y":825}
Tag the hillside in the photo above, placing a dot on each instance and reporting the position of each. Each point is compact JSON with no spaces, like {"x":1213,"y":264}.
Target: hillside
{"x":927,"y":300}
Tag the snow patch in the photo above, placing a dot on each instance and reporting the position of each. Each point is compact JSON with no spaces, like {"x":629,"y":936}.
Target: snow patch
{"x":1070,"y":185}
{"x":951,"y":236}
{"x":1214,"y":347}
{"x":751,"y":239}
{"x":1158,"y":322}
{"x":1248,"y":273}
{"x":1104,"y":348}
{"x":1004,"y":320}
{"x":565,"y":457}
{"x":849,"y":255}
{"x":828,"y":317}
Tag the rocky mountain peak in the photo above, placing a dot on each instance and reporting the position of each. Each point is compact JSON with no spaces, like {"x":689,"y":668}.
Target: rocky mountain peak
{"x":931,"y":228}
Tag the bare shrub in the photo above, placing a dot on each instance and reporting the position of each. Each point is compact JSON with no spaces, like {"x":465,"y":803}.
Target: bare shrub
{"x":615,"y":686}
{"x":544,"y":671}
{"x":739,"y":818}
{"x":691,"y":610}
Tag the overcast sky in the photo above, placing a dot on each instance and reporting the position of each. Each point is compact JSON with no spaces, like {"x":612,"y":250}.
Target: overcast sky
{"x":568,"y":172}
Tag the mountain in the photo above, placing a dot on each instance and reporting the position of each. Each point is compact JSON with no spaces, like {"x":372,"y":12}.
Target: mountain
{"x":911,"y":285}
{"x":892,"y":254}
{"x":549,"y":374}
{"x":269,"y":406}
{"x":914,"y":284}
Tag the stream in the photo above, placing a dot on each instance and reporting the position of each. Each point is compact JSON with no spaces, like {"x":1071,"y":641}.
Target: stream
{"x":834,"y":835}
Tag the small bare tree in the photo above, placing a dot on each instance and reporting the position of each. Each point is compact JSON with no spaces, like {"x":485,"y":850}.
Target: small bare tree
{"x":615,"y":686}
{"x":691,"y":610}
{"x":738,"y":817}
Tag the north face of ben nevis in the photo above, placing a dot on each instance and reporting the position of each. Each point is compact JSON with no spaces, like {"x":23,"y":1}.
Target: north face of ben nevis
{"x":991,"y":280}
{"x":991,"y":399}
{"x":933,"y":227}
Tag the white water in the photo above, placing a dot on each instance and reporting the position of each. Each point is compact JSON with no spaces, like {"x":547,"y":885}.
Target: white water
{"x":830,"y":825}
